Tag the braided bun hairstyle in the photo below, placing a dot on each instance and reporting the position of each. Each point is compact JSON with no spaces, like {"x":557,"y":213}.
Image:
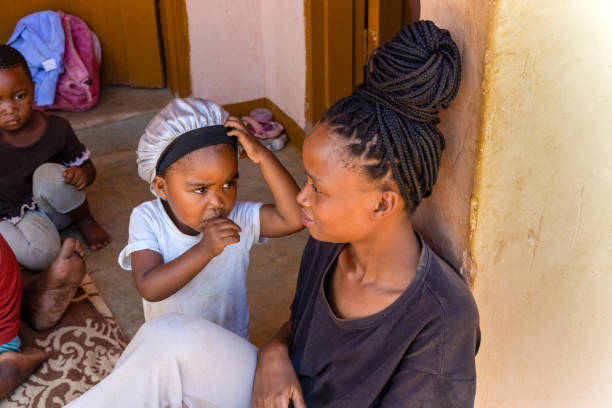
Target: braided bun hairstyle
{"x":11,"y":58}
{"x":390,"y":120}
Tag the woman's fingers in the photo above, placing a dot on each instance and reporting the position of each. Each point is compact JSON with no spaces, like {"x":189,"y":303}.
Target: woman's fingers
{"x":298,"y":399}
{"x":281,"y":401}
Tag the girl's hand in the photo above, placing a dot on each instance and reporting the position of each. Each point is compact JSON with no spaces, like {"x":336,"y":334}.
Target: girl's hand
{"x":76,"y":176}
{"x":217,"y":234}
{"x":253,"y":149}
{"x":275,"y":382}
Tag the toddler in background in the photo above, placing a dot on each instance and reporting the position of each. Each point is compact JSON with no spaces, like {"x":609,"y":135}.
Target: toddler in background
{"x":44,"y":170}
{"x":189,"y":248}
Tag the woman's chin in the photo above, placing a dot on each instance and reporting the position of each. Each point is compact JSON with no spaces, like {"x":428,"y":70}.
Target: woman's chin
{"x":314,"y":233}
{"x":322,"y":236}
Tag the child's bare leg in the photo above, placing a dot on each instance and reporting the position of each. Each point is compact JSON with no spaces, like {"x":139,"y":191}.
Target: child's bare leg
{"x":95,"y":236}
{"x":45,"y":300}
{"x":15,"y":368}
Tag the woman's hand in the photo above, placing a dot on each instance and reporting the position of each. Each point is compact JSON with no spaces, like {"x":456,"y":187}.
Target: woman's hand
{"x":253,"y":149}
{"x":77,"y":177}
{"x":275,"y":382}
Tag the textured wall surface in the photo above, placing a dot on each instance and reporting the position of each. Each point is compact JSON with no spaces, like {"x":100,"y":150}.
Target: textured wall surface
{"x":444,"y":217}
{"x":543,"y":208}
{"x":248,"y":49}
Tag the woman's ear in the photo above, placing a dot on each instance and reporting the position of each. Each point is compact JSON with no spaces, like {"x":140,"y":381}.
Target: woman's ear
{"x":159,"y":185}
{"x":388,"y":202}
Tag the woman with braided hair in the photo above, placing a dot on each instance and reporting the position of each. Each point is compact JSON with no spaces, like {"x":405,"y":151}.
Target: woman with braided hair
{"x":378,"y":319}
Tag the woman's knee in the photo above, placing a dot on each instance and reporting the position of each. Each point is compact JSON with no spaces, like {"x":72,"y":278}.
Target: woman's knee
{"x":51,"y":191}
{"x":170,"y":326}
{"x":178,"y":333}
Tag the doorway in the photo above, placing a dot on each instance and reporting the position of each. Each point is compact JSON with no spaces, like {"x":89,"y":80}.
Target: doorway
{"x":340,"y":34}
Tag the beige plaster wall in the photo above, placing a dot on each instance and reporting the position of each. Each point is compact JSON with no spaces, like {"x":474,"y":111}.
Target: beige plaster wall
{"x":543,"y":207}
{"x":226,"y":50}
{"x":444,"y":217}
{"x":248,"y":49}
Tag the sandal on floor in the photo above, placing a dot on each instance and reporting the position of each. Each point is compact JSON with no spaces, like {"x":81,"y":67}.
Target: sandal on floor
{"x":267,"y":130}
{"x":262,"y":115}
{"x":254,"y":127}
{"x":275,"y":144}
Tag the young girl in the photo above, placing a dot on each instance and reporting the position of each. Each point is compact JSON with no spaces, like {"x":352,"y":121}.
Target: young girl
{"x":189,"y":249}
{"x":44,"y":170}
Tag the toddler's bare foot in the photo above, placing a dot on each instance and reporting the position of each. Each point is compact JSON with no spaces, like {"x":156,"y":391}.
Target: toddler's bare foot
{"x":47,"y":298}
{"x":94,"y":234}
{"x":15,"y":368}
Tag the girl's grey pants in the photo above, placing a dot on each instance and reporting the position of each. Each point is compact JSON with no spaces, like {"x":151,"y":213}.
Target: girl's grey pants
{"x":35,"y":238}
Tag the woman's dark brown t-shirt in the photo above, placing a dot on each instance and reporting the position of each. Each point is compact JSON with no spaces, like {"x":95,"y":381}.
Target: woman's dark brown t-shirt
{"x":418,"y":352}
{"x":58,"y":144}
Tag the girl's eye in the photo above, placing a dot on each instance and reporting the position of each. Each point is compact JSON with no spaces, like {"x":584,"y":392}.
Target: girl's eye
{"x":229,"y":184}
{"x":20,"y":96}
{"x":315,"y":189}
{"x":200,"y":190}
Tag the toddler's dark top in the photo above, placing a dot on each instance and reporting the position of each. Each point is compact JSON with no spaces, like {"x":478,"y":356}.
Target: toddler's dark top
{"x":17,"y":164}
{"x":418,"y":352}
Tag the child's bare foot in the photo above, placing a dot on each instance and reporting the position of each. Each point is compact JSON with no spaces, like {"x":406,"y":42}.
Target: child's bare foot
{"x":15,"y":368}
{"x":94,"y":234}
{"x":46,"y":299}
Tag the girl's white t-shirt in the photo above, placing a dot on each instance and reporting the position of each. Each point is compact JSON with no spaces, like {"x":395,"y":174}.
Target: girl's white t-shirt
{"x":218,"y":292}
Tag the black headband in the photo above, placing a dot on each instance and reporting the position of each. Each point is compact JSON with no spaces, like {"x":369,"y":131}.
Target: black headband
{"x":193,"y":140}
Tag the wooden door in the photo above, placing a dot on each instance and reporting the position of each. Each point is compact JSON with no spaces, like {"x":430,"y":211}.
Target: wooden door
{"x":340,"y":34}
{"x":386,"y":17}
{"x":329,"y":54}
{"x":128,"y":32}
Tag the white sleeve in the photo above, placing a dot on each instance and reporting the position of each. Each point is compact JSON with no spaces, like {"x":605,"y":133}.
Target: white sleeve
{"x":246,"y":215}
{"x":142,"y":236}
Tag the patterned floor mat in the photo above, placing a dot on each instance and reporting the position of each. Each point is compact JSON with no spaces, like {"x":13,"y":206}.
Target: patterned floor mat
{"x":83,"y":348}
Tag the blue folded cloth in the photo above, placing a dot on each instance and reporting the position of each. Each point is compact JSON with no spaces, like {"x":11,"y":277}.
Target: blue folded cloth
{"x":40,"y":38}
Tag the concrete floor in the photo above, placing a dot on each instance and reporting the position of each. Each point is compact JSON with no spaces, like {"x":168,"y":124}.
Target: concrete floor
{"x":118,"y":189}
{"x":119,"y":103}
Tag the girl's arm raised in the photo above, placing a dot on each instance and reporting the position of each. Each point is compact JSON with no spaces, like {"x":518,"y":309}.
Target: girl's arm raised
{"x":284,"y":216}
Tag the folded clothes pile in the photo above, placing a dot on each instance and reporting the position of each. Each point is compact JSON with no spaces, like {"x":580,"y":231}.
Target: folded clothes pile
{"x":64,"y":58}
{"x":270,"y":133}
